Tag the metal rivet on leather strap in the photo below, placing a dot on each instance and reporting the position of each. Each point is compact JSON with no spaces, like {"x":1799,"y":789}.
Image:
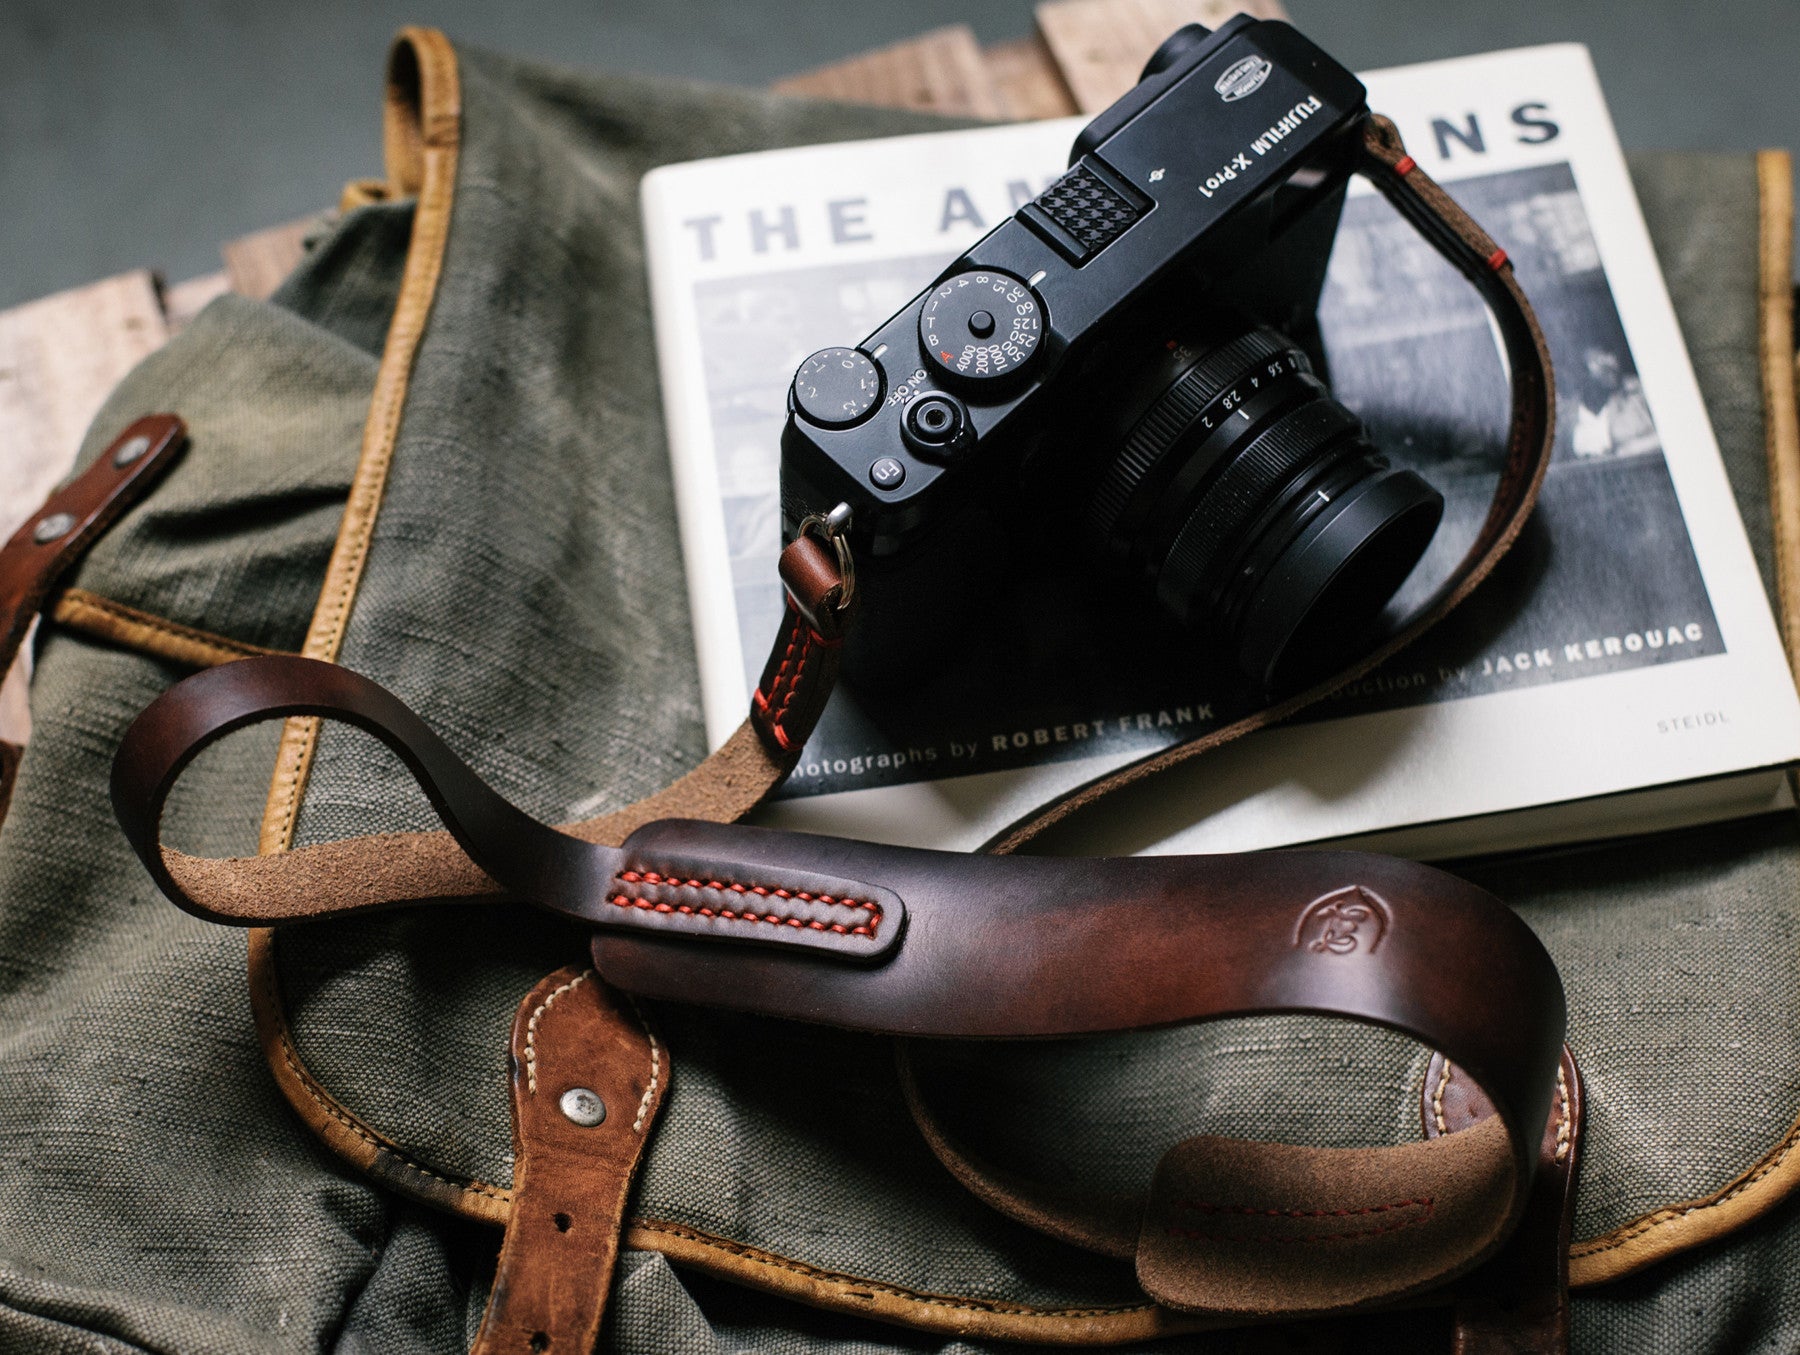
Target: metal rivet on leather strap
{"x":53,"y":527}
{"x":130,"y":451}
{"x":583,"y":1107}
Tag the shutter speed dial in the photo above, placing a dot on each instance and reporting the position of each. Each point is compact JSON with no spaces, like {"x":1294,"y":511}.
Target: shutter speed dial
{"x":980,"y":326}
{"x":836,"y":387}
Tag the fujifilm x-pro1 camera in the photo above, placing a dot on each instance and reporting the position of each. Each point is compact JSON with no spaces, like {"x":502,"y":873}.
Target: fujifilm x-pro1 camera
{"x":1131,"y":358}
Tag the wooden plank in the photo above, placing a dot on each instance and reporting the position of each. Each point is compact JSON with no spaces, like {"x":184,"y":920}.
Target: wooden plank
{"x":1026,"y":80}
{"x":1100,"y":46}
{"x":185,"y":300}
{"x":257,"y":264}
{"x":59,"y":358}
{"x":937,"y":72}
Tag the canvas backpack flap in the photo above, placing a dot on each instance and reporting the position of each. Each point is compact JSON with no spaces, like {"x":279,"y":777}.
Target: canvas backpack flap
{"x":590,"y":685}
{"x":146,"y":1152}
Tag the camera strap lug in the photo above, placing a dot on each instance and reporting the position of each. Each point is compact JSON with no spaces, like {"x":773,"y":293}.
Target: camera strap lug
{"x":835,"y":528}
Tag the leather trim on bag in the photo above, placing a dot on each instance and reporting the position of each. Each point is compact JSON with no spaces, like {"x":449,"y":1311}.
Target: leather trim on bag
{"x":363,"y":193}
{"x":422,"y":126}
{"x":336,"y":1126}
{"x":100,"y":618}
{"x":1769,"y":1181}
{"x":421,"y":133}
{"x":1781,"y":415}
{"x":948,"y":1314}
{"x":53,"y":539}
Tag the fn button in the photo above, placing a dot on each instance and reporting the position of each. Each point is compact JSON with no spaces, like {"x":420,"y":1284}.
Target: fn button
{"x":887,"y":473}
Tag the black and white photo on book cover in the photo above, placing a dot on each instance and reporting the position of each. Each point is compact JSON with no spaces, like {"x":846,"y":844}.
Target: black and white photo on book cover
{"x":1528,"y":694}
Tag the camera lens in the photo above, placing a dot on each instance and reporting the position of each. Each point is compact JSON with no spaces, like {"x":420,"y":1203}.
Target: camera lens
{"x":1253,"y":504}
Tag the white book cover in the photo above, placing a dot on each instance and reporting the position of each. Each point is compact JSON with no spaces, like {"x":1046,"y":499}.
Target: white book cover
{"x":1626,"y":646}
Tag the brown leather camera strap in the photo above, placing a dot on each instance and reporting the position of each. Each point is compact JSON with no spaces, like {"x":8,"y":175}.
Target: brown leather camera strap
{"x":49,"y":542}
{"x":934,"y":944}
{"x":941,"y":944}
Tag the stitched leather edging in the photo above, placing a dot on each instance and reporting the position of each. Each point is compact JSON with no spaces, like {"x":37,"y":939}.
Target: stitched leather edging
{"x":421,"y":134}
{"x":101,"y":618}
{"x":335,"y":1125}
{"x":1771,"y":1179}
{"x":838,"y":1292}
{"x":423,"y":125}
{"x":1667,"y":1231}
{"x":1781,"y":416}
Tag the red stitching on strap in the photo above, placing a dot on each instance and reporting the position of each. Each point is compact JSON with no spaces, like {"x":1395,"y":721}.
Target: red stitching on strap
{"x":1204,"y":1207}
{"x":1496,"y":260}
{"x":787,"y":654}
{"x":794,"y":681}
{"x":1405,"y":165}
{"x":650,"y":877}
{"x":785,"y":684}
{"x":1423,"y":1204}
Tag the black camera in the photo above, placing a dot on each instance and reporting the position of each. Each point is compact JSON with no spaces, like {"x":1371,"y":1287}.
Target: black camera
{"x":1138,"y":344}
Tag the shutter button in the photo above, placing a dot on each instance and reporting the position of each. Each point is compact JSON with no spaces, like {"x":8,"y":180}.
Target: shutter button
{"x":936,"y":425}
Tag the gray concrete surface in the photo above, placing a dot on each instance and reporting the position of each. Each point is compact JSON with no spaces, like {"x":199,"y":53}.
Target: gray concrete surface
{"x":143,"y":133}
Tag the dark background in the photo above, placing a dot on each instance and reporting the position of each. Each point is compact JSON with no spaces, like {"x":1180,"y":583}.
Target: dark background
{"x":144,"y":133}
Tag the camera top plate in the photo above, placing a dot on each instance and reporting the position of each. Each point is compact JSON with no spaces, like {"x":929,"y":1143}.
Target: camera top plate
{"x":1194,"y":177}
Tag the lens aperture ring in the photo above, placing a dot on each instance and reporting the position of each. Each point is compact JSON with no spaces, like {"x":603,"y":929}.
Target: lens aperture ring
{"x":1242,"y":491}
{"x":1173,"y":415}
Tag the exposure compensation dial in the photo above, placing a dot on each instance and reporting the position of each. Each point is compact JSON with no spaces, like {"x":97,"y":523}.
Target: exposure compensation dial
{"x":981,"y":326}
{"x":836,"y":386}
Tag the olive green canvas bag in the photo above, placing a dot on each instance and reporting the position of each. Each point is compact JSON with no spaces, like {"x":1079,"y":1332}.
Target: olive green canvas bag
{"x":432,"y":459}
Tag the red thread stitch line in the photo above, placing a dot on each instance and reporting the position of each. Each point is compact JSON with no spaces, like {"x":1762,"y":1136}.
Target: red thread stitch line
{"x":794,"y":682}
{"x":1405,"y":165}
{"x":1174,"y":1231}
{"x":651,"y":877}
{"x":1497,"y":260}
{"x":726,"y":914}
{"x":1204,"y":1207}
{"x":786,"y":655}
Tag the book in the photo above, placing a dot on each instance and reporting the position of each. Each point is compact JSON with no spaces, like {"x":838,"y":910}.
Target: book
{"x":1620,"y":672}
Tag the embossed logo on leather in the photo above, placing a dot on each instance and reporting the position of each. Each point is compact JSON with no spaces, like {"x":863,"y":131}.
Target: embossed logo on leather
{"x":1343,"y":922}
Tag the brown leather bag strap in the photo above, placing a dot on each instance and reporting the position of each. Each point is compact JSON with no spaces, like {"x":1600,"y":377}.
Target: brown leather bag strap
{"x":588,"y":1078}
{"x":50,"y":542}
{"x":1530,"y":440}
